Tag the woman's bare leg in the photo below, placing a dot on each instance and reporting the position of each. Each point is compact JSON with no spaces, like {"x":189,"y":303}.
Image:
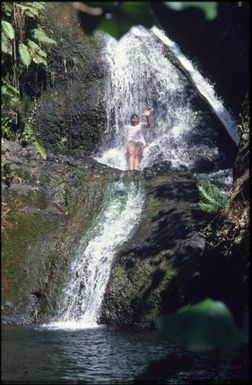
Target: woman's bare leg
{"x":131,"y":157}
{"x":138,"y":155}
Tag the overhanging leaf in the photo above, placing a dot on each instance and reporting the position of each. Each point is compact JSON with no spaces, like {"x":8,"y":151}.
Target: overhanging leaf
{"x":208,"y":7}
{"x":207,"y":325}
{"x":7,"y":29}
{"x":117,"y":18}
{"x":24,"y":54}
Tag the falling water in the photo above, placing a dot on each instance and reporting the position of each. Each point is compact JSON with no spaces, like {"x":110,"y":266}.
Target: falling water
{"x":142,"y":76}
{"x":89,"y":272}
{"x":203,"y":86}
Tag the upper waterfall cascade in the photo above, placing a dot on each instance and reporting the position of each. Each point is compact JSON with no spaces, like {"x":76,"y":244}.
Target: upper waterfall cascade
{"x":141,"y":76}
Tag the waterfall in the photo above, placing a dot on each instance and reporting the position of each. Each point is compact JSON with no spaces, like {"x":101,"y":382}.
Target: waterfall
{"x":141,"y":76}
{"x":90,"y":269}
{"x":203,"y":86}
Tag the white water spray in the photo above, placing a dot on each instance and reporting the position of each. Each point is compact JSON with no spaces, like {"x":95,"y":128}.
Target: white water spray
{"x":203,"y":86}
{"x":141,"y":76}
{"x":89,"y":272}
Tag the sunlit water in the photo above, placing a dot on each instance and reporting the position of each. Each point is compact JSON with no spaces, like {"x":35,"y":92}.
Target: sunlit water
{"x":89,"y":272}
{"x":140,"y":75}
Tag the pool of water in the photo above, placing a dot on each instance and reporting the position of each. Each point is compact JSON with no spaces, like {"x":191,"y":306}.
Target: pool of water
{"x":95,"y":356}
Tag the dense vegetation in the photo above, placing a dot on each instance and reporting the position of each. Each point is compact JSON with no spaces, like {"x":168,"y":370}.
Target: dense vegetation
{"x":24,"y":47}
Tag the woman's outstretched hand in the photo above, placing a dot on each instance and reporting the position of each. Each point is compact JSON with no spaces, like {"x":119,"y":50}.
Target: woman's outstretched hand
{"x":147,"y":113}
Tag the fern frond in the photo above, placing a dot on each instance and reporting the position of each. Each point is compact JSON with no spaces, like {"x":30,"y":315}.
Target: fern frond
{"x":7,"y":29}
{"x":6,"y":8}
{"x":34,"y":46}
{"x":30,"y":9}
{"x":212,"y":198}
{"x":41,"y":36}
{"x":38,"y":59}
{"x":7,"y":89}
{"x":24,"y":54}
{"x":6,"y":45}
{"x":31,"y":135}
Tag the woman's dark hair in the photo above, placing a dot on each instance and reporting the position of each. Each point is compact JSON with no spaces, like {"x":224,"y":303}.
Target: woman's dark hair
{"x":134,"y":115}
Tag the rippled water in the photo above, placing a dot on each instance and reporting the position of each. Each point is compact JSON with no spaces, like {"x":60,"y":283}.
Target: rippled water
{"x":103,"y":356}
{"x":93,"y":356}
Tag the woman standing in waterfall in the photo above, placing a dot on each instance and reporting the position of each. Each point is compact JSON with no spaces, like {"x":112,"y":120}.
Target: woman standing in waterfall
{"x":135,"y":139}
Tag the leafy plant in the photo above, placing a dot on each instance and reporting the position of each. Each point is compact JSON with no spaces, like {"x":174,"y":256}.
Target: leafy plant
{"x":9,"y":107}
{"x":23,"y":43}
{"x":116,"y":18}
{"x":212,"y":197}
{"x":208,"y":7}
{"x":207,"y":325}
{"x":244,"y":125}
{"x":30,"y":135}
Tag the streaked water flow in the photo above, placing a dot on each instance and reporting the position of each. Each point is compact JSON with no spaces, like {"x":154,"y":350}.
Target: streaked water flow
{"x":205,"y":88}
{"x":89,"y":272}
{"x":141,"y":76}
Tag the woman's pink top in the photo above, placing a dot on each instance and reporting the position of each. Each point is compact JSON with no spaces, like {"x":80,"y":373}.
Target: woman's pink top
{"x":135,"y":133}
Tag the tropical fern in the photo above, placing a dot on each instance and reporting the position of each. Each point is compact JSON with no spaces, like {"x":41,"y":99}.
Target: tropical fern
{"x":6,"y":45}
{"x":7,"y":29}
{"x":24,"y":54}
{"x":29,"y":133}
{"x":31,"y":9}
{"x":39,"y":35}
{"x":9,"y":107}
{"x":38,"y":55}
{"x":212,"y":198}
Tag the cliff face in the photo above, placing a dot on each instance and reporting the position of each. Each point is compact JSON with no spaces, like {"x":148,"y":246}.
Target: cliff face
{"x":160,"y":264}
{"x":49,"y":205}
{"x":68,"y":112}
{"x":169,"y":262}
{"x":46,"y":208}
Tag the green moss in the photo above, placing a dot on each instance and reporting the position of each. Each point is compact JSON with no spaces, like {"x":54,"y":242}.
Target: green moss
{"x":151,"y":209}
{"x":17,"y":251}
{"x":153,"y":305}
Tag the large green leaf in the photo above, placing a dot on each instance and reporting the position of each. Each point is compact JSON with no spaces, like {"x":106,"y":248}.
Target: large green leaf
{"x":117,"y":18}
{"x":7,"y":29}
{"x":42,"y":37}
{"x":208,"y":7}
{"x":207,"y":325}
{"x":24,"y":54}
{"x":31,"y":135}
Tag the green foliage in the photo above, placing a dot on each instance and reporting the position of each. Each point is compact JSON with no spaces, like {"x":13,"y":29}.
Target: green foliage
{"x":244,"y":125}
{"x":116,"y":18}
{"x":7,"y":30}
{"x":39,"y":35}
{"x":31,"y":9}
{"x":208,"y":7}
{"x":212,"y":198}
{"x":30,"y":135}
{"x":207,"y":325}
{"x":9,"y":107}
{"x":24,"y":54}
{"x":19,"y":50}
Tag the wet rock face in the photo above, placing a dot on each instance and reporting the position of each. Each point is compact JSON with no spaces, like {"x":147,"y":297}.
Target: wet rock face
{"x":70,"y":112}
{"x":46,"y":208}
{"x":158,"y":269}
